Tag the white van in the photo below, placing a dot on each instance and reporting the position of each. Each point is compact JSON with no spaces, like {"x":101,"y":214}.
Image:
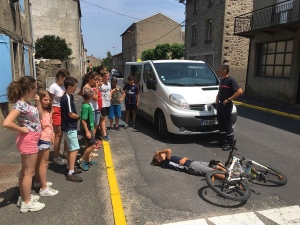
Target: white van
{"x":177,"y":95}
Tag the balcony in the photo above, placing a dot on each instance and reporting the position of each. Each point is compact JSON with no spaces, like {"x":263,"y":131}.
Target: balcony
{"x":285,"y":14}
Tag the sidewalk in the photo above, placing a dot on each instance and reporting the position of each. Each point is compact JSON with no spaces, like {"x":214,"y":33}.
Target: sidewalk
{"x":285,"y":108}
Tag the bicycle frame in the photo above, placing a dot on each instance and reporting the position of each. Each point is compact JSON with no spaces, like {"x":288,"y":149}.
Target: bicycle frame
{"x":235,"y":161}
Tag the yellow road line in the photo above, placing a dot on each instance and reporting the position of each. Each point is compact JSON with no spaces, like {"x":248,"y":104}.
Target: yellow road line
{"x":267,"y":110}
{"x":115,"y":195}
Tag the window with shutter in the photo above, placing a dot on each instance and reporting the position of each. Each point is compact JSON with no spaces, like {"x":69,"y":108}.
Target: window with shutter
{"x":26,"y":61}
{"x":5,"y":67}
{"x":22,"y":5}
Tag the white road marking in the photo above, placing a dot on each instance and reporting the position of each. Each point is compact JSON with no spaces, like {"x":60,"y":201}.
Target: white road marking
{"x":283,"y":216}
{"x":190,"y":222}
{"x":237,"y":219}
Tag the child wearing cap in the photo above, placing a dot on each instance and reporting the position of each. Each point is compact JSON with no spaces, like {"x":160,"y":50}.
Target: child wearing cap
{"x":117,"y":95}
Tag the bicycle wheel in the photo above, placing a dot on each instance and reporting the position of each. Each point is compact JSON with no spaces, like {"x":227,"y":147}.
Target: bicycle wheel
{"x":271,"y":175}
{"x":233,"y":190}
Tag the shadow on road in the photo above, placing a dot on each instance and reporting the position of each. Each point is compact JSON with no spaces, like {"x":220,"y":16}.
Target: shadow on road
{"x":210,"y":197}
{"x":10,"y":196}
{"x":280,"y":122}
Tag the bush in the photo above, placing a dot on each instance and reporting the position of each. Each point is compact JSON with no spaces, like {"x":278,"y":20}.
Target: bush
{"x":53,"y":47}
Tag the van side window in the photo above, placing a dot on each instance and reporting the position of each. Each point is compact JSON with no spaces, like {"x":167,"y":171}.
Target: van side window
{"x":148,"y":73}
{"x":136,"y":71}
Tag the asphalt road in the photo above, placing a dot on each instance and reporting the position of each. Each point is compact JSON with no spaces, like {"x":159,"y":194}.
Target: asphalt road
{"x":152,"y":195}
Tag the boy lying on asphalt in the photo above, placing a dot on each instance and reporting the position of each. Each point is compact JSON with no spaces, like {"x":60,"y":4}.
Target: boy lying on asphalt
{"x":165,"y":159}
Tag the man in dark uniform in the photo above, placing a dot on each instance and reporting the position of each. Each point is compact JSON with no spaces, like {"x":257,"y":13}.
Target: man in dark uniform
{"x":228,"y":91}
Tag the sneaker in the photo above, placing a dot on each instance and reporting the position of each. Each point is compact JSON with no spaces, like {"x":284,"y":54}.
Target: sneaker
{"x":34,"y":198}
{"x":74,"y":177}
{"x":84,"y":166}
{"x":48,"y":192}
{"x":59,"y":161}
{"x":126,"y":126}
{"x":31,"y":206}
{"x":111,"y":129}
{"x":106,"y":138}
{"x":92,"y":163}
{"x":227,"y":147}
{"x":76,"y":170}
{"x":133,"y":126}
{"x":38,"y":185}
{"x":118,"y":128}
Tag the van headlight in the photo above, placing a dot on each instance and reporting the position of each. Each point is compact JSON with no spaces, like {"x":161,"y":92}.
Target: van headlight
{"x":179,"y":101}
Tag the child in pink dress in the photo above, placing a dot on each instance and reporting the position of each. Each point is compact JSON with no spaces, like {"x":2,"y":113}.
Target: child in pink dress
{"x":44,"y":145}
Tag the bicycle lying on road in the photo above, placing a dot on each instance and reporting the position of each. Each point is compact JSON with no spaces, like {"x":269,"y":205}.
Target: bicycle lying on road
{"x":233,"y":184}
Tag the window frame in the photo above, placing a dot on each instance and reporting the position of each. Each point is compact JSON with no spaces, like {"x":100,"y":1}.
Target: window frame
{"x":264,"y":56}
{"x":152,"y":74}
{"x":208,"y":35}
{"x":210,"y":3}
{"x":194,"y":34}
{"x":195,"y":6}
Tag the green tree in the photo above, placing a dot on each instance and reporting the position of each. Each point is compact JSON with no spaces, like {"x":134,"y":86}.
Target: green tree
{"x":148,"y":55}
{"x":177,"y":51}
{"x":161,"y":51}
{"x":53,"y":47}
{"x":107,"y":61}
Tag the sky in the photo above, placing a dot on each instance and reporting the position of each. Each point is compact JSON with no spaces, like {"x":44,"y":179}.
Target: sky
{"x":102,"y":29}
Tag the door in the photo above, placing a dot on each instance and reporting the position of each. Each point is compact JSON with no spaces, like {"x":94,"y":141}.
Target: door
{"x":5,"y":67}
{"x":147,"y":96}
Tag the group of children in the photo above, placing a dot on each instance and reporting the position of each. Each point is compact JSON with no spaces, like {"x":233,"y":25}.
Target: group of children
{"x":54,"y":116}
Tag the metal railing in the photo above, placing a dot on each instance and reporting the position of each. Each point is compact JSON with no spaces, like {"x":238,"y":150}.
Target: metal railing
{"x":280,"y":13}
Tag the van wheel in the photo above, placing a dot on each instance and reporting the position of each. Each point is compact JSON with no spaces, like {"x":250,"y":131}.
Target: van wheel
{"x":162,"y":126}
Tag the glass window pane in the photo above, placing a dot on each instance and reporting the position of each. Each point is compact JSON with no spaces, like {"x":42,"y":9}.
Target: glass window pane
{"x":270,"y":59}
{"x":263,"y":48}
{"x":288,"y":59}
{"x":278,"y":71}
{"x":279,"y":59}
{"x":269,"y":71}
{"x":280,"y":46}
{"x":289,"y":46}
{"x":261,"y":71}
{"x":287,"y":71}
{"x":262,"y":60}
{"x":271,"y":47}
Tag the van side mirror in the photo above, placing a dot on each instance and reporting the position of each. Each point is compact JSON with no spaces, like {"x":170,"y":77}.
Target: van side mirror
{"x":151,"y":84}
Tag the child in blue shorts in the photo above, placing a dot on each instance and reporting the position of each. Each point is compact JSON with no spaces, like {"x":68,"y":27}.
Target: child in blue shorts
{"x":117,"y":95}
{"x":69,"y":120}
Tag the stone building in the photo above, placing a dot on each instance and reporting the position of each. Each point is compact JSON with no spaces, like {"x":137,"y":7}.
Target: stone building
{"x":61,"y":18}
{"x":117,"y":62}
{"x":147,"y":33}
{"x":273,"y":29}
{"x":209,"y":35}
{"x":16,"y":47}
{"x":93,"y":60}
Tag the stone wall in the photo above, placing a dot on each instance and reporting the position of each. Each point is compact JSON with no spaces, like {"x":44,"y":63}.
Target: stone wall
{"x":61,"y":18}
{"x":236,"y":48}
{"x":198,"y":17}
{"x":47,"y":68}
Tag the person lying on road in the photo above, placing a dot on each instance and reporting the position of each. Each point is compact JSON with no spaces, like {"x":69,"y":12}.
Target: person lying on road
{"x":165,"y":159}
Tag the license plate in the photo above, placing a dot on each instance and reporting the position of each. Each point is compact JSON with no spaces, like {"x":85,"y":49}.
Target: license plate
{"x":208,"y":122}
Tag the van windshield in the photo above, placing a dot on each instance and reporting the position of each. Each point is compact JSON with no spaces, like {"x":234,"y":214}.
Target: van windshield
{"x":186,"y":74}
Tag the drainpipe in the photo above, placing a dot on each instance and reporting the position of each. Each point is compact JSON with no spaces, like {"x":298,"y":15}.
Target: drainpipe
{"x":32,"y":40}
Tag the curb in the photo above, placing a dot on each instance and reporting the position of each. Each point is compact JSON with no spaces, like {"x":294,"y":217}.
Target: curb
{"x":268,"y":110}
{"x":116,"y":201}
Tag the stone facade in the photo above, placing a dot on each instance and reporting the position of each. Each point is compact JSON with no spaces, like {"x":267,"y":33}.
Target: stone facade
{"x":61,"y":18}
{"x":117,"y":62}
{"x":94,"y":61}
{"x":142,"y":35}
{"x":47,"y":68}
{"x":283,"y":87}
{"x":15,"y":27}
{"x":209,"y":35}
